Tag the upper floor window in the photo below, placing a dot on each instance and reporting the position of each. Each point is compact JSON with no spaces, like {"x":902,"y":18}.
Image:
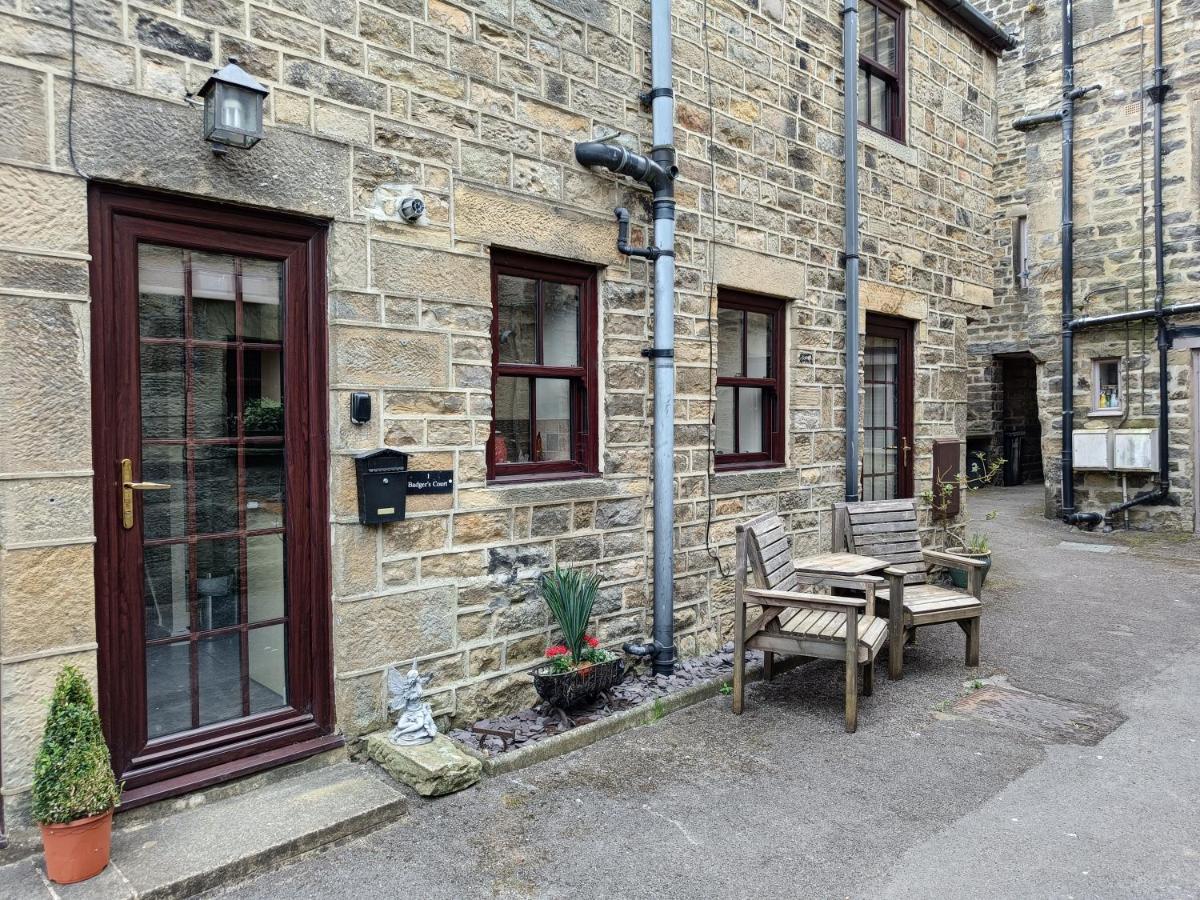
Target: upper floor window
{"x":544,"y":397}
{"x":881,"y":67}
{"x":750,"y":352}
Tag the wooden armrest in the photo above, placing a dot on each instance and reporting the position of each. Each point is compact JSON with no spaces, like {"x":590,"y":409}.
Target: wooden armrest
{"x":805,"y":601}
{"x":951,"y":560}
{"x":813,"y":577}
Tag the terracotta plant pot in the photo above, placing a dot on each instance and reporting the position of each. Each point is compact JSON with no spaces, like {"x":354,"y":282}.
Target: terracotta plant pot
{"x":77,"y":850}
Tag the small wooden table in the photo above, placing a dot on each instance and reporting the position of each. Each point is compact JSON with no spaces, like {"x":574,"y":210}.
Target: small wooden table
{"x":847,"y":565}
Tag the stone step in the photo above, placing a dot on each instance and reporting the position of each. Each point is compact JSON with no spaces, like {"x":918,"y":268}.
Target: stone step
{"x":227,"y":840}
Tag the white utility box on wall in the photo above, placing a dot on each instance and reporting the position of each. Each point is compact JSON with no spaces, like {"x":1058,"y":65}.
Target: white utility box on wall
{"x":1135,"y":450}
{"x":1093,"y":449}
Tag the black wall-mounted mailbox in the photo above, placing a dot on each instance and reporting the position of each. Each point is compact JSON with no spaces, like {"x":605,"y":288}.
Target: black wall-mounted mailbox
{"x":382,"y":485}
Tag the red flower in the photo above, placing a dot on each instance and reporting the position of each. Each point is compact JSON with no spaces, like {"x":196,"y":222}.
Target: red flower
{"x":591,"y":641}
{"x":556,"y":650}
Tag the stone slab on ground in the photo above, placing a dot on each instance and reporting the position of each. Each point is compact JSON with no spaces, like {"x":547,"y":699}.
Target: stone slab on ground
{"x":211,"y":845}
{"x":433,"y":769}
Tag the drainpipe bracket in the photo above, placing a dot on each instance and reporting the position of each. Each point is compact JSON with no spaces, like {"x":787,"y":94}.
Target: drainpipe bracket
{"x":1158,"y":92}
{"x":647,"y":98}
{"x":657,"y":353}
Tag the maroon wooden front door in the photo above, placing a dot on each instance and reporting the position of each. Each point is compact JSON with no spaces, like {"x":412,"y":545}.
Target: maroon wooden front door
{"x":887,"y":467}
{"x":210,"y":457}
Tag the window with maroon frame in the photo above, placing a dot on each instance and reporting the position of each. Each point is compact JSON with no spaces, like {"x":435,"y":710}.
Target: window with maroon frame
{"x":881,"y":67}
{"x":544,"y":398}
{"x":750,"y":402}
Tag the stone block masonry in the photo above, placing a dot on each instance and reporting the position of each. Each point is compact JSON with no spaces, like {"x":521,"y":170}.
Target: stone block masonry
{"x":476,"y":105}
{"x":1113,"y":216}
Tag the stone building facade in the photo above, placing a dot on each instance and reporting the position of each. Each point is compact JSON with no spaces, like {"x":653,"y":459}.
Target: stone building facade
{"x":474,"y":106}
{"x":1015,"y":346}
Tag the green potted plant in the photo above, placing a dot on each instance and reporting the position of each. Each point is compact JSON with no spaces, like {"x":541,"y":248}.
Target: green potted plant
{"x":577,"y":669}
{"x":74,"y":791}
{"x":976,"y":546}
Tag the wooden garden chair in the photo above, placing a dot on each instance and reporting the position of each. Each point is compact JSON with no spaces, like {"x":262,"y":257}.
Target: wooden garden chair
{"x":819,"y":626}
{"x":887,"y":530}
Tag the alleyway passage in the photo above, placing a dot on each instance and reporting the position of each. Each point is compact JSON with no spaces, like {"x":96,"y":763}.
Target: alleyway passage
{"x":925,"y":800}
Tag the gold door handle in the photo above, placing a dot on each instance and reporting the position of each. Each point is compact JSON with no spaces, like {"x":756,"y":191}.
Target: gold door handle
{"x":128,"y":486}
{"x":906,"y":450}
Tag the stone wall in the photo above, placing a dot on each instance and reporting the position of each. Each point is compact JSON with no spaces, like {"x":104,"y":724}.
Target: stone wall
{"x":1114,"y":262}
{"x":476,"y":105}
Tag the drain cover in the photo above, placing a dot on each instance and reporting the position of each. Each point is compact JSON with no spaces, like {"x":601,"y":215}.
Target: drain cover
{"x":1044,"y":718}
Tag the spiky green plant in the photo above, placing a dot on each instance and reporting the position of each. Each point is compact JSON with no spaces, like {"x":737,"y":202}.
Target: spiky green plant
{"x":72,"y":775}
{"x":571,"y":594}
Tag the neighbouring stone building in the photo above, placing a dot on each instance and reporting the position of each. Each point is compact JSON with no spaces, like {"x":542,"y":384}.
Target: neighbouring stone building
{"x":142,"y":280}
{"x":1016,"y":345}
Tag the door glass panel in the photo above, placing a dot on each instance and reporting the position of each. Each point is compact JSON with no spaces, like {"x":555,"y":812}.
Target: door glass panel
{"x":552,"y":440}
{"x":517,"y":301}
{"x":264,"y":577}
{"x":214,"y":297}
{"x":882,"y":437}
{"x":168,"y":688}
{"x":560,"y":333}
{"x":214,"y":391}
{"x":162,"y":389}
{"x":268,"y":669}
{"x":160,"y":291}
{"x":165,"y":591}
{"x":216,"y":474}
{"x":264,"y":487}
{"x":220,"y":665}
{"x":164,"y":513}
{"x":213,"y":425}
{"x":262,"y":300}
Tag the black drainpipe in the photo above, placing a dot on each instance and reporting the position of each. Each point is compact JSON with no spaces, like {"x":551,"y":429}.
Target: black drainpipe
{"x":1158,"y":93}
{"x":1066,"y":115}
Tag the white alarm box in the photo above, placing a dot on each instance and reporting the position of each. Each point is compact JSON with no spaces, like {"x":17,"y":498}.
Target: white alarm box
{"x":1092,"y":449}
{"x":1135,"y":449}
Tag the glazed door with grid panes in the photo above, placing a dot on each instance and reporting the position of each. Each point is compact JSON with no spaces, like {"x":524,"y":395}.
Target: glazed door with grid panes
{"x":212,"y":499}
{"x":887,"y":456}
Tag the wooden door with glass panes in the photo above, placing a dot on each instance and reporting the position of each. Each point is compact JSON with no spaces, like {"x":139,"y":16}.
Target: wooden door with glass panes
{"x":887,"y":454}
{"x":210,"y":457}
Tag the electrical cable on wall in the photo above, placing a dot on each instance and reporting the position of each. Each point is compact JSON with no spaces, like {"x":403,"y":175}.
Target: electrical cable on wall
{"x":71,"y":94}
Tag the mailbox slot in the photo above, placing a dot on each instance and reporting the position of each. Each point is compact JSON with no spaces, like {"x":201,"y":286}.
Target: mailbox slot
{"x":382,"y":485}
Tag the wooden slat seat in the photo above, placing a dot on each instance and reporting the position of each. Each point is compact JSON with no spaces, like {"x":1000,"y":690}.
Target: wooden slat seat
{"x":792,"y":622}
{"x":888,"y":530}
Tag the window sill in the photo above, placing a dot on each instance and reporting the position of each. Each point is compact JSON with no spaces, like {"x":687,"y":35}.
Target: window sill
{"x":746,"y":467}
{"x":1105,"y":413}
{"x":885,"y":143}
{"x":534,"y":478}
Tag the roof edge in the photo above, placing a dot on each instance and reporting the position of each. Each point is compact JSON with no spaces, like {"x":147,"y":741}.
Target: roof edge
{"x":977,"y":24}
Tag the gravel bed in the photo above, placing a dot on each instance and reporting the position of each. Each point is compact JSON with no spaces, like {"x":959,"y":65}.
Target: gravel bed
{"x":501,"y":734}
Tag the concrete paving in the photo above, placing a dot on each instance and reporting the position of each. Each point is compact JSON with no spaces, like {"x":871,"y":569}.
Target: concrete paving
{"x":924,"y":800}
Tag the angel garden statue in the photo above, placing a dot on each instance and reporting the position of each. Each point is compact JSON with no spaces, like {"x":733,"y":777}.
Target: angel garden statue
{"x":415,"y":725}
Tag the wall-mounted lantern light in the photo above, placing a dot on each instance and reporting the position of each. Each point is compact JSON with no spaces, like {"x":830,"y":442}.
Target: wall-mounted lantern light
{"x":233,"y":106}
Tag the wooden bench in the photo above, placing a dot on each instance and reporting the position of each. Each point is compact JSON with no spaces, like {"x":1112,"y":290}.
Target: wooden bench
{"x":887,"y":530}
{"x":818,"y":626}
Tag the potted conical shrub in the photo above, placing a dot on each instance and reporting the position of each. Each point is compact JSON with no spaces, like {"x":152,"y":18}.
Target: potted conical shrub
{"x":74,"y":791}
{"x":578,"y":669}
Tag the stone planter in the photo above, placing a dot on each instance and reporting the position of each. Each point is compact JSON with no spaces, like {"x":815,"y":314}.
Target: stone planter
{"x":567,"y":689}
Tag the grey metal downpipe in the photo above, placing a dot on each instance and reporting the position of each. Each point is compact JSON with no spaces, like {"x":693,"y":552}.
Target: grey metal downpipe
{"x":658,"y":172}
{"x":851,"y":250}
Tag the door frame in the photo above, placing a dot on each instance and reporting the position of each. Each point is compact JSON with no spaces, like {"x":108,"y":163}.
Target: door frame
{"x":118,"y":218}
{"x":879,"y":325}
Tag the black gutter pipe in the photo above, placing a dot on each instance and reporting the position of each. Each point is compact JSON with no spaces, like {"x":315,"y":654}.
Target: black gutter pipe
{"x":1136,"y":315}
{"x":992,"y":35}
{"x":1065,"y":115}
{"x":1158,"y":93}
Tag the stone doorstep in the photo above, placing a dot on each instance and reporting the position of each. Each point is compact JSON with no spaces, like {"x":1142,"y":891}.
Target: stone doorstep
{"x":227,"y":840}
